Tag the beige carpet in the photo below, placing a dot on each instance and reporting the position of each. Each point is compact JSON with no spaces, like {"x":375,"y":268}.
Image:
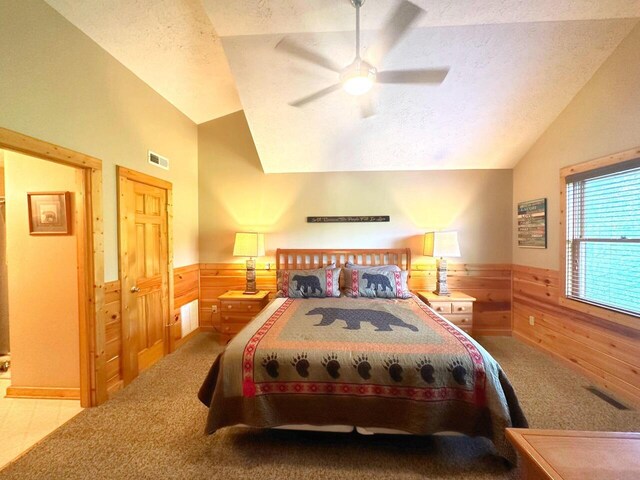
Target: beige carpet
{"x":153,"y":429}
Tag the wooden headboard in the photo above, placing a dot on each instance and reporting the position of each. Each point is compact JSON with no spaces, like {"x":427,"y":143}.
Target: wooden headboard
{"x":293,"y":259}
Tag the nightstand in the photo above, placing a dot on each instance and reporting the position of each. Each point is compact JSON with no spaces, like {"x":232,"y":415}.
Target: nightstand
{"x":238,"y":309}
{"x":457,"y":308}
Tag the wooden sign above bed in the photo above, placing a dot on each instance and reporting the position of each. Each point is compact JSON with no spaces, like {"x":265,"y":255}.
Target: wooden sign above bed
{"x":349,"y":219}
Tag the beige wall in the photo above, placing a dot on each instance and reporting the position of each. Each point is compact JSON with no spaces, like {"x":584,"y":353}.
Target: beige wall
{"x":43,"y":285}
{"x":604,"y":118}
{"x":236,"y":195}
{"x":1,"y":174}
{"x":57,"y":85}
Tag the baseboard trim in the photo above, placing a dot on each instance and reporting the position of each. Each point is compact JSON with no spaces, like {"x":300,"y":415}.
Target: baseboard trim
{"x":44,"y":392}
{"x":188,"y":337}
{"x":115,"y":388}
{"x":492,"y":332}
{"x":609,"y":387}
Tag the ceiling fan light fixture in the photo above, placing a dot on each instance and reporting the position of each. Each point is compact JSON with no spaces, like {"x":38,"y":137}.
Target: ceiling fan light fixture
{"x":358,"y":78}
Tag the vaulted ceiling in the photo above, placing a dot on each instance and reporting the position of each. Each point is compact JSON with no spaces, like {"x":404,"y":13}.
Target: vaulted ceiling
{"x":513,"y":67}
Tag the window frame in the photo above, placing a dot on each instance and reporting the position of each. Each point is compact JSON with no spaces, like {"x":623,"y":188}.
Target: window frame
{"x":615,"y":316}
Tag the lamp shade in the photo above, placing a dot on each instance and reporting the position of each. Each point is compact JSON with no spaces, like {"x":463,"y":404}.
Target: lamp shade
{"x":248,"y":245}
{"x":441,"y":244}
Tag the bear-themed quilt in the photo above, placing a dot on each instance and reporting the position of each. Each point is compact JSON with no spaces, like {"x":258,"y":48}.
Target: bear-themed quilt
{"x":363,"y":362}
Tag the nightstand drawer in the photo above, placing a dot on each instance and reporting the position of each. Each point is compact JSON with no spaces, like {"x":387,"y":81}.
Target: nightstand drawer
{"x":237,"y":317}
{"x":232,"y":328}
{"x":460,"y":319}
{"x":239,"y":306}
{"x":441,"y":307}
{"x":461,"y":307}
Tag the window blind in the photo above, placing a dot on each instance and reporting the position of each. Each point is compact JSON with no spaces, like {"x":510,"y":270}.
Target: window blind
{"x":603,"y":237}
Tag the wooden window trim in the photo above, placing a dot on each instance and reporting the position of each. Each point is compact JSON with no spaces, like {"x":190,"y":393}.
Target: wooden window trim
{"x":610,"y":315}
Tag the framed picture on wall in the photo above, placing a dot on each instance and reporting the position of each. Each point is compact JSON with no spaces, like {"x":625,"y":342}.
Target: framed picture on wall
{"x":532,"y":223}
{"x":49,"y":213}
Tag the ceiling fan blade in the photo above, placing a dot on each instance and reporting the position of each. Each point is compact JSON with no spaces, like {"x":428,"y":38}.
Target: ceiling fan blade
{"x":405,"y":15}
{"x":289,"y":46}
{"x":366,"y":106}
{"x":314,"y":96}
{"x":434,"y":76}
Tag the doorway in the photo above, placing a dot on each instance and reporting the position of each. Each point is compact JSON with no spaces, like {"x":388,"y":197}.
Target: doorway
{"x":87,"y":215}
{"x":5,"y":360}
{"x":146,"y":270}
{"x":39,"y":299}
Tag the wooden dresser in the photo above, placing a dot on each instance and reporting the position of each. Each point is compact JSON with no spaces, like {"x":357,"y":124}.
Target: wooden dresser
{"x":237,"y":309}
{"x":457,"y":308}
{"x":572,"y":455}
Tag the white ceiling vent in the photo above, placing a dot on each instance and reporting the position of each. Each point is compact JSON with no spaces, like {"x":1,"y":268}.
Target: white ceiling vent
{"x":158,"y":160}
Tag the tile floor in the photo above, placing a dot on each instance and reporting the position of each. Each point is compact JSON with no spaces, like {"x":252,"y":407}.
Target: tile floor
{"x":24,"y":422}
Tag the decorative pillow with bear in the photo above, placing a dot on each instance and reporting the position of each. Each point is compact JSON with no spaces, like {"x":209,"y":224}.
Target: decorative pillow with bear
{"x":376,"y":269}
{"x":373,"y":282}
{"x":321,"y":282}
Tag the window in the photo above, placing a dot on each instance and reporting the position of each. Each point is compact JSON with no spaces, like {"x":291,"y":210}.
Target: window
{"x":602,"y":233}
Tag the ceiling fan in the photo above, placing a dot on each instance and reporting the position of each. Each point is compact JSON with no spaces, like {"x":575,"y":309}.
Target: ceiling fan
{"x":359,"y":77}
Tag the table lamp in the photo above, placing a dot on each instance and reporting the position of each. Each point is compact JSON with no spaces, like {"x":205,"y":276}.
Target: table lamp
{"x":249,"y":244}
{"x":440,"y":245}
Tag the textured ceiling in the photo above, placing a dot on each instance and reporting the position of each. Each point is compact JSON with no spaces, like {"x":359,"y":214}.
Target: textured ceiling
{"x":514,"y":66}
{"x":255,"y":17}
{"x":169,"y":44}
{"x":507,"y":83}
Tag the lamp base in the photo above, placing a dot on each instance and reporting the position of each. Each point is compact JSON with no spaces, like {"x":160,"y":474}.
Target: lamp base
{"x":441,"y":280}
{"x":441,"y":293}
{"x":250,"y":288}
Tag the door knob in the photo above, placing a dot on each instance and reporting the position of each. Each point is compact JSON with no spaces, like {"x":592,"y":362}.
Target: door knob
{"x":135,"y":289}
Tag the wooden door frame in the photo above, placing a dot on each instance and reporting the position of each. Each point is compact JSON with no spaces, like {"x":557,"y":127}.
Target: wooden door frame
{"x":90,"y":246}
{"x":123,"y":173}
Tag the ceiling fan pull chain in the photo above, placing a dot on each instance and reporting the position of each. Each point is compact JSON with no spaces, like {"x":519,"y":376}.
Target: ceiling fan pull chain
{"x":357,"y":5}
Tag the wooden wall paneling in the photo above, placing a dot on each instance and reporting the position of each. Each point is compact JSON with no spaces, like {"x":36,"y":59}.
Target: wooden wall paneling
{"x":186,"y":286}
{"x":186,"y":289}
{"x":489,"y":283}
{"x":113,"y":336}
{"x":218,"y":278}
{"x":606,"y":352}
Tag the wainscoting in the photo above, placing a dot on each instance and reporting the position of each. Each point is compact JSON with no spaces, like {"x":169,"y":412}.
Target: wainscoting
{"x":186,"y":284}
{"x":113,"y":336}
{"x":607,"y":353}
{"x":489,"y":283}
{"x":186,"y":289}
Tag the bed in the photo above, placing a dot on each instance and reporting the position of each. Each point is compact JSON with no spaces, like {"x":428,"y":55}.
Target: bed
{"x":380,"y":365}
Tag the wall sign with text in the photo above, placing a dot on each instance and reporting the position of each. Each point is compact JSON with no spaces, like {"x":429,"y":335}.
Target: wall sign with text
{"x":347,"y":219}
{"x":532,"y":223}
